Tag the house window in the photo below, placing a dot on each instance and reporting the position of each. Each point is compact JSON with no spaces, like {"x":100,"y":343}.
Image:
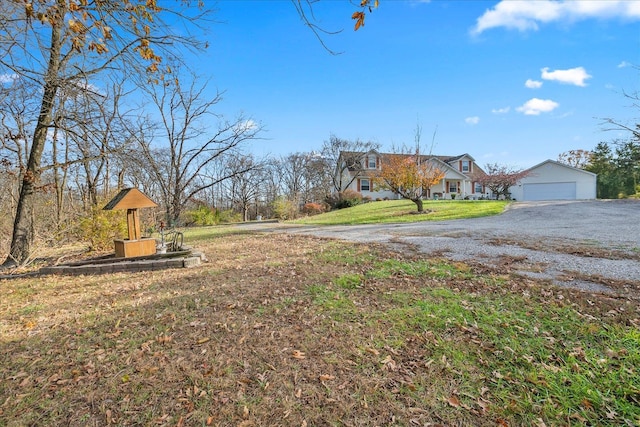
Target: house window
{"x":453,"y":187}
{"x":477,"y":188}
{"x":465,"y":166}
{"x":371,"y":163}
{"x":365,"y":185}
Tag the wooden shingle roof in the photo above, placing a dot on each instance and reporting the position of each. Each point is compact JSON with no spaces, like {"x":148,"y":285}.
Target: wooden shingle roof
{"x":130,"y":198}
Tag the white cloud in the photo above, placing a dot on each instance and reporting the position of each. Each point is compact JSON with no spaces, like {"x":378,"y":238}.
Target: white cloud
{"x":575,"y":76}
{"x":472,"y":120}
{"x":527,"y":15}
{"x":624,"y":64}
{"x":8,"y":78}
{"x":535,"y":106}
{"x":246,"y":126}
{"x":504,"y":110}
{"x":533,"y":84}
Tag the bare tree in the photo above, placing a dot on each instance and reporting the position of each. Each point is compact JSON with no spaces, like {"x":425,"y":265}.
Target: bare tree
{"x":307,"y":14}
{"x":185,"y":143}
{"x":244,"y":185}
{"x":271,"y":185}
{"x":56,"y":43}
{"x":342,"y":156}
{"x":576,"y":158}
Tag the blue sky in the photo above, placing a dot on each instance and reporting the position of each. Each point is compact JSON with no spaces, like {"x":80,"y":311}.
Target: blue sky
{"x":510,"y":82}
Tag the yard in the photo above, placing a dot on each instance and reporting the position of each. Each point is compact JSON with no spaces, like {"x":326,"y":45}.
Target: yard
{"x":291,"y":330}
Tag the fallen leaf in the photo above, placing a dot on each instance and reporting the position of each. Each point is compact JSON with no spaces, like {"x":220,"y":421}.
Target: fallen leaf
{"x":372,"y":351}
{"x":299,"y":393}
{"x":327,"y":377}
{"x":540,"y":423}
{"x":297,"y":354}
{"x":611,"y":414}
{"x":163,"y":339}
{"x":454,"y":401}
{"x":389,"y":363}
{"x":578,"y":417}
{"x":203,"y":340}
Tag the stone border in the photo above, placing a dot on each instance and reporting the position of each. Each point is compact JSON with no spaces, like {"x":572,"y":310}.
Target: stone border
{"x":119,"y":266}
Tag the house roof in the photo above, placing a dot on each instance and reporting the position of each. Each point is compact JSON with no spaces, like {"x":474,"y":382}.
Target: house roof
{"x":444,"y":160}
{"x":556,"y":163}
{"x":454,"y":158}
{"x":130,"y":198}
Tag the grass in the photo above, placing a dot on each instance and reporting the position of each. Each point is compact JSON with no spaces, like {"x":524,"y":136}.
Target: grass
{"x":294,"y":330}
{"x":405,"y":211}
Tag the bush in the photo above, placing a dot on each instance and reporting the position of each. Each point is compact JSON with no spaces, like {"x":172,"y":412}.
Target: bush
{"x":228,"y":216}
{"x":202,"y":215}
{"x":284,"y":209}
{"x":346,"y":199}
{"x":99,"y":227}
{"x":312,"y":209}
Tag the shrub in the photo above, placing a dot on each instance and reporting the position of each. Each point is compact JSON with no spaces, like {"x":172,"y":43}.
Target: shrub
{"x":202,"y":215}
{"x":284,"y":209}
{"x":228,"y":216}
{"x":312,"y":209}
{"x":99,"y":227}
{"x":346,"y":199}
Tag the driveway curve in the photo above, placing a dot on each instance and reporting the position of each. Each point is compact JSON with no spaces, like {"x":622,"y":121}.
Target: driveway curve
{"x":591,"y":245}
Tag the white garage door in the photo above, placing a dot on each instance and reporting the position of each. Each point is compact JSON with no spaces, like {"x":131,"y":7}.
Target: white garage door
{"x":550,"y":191}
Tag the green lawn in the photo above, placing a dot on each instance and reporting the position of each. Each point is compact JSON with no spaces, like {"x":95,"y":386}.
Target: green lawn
{"x":406,"y":211}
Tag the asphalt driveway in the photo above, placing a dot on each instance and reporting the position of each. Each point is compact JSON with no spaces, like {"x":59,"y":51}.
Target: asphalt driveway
{"x":585,"y":244}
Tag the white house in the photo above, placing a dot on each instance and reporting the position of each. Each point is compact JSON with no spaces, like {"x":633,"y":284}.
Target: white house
{"x":551,"y":180}
{"x":359,"y":172}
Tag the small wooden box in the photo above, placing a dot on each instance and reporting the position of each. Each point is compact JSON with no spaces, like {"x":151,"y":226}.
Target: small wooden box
{"x":134,"y":248}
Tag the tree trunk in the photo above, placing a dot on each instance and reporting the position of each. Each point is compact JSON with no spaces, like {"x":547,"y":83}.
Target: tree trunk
{"x":23,"y":226}
{"x":418,"y":203}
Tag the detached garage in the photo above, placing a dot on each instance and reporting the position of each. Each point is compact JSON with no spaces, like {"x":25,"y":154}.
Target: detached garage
{"x":551,"y":180}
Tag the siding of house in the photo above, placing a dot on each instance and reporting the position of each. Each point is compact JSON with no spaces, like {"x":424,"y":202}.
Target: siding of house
{"x":453,"y":173}
{"x":551,"y":180}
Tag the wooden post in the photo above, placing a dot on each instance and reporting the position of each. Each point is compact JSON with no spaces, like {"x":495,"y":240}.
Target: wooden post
{"x":133,"y":224}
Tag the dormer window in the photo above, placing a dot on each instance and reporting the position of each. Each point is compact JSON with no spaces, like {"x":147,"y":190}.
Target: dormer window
{"x":371,"y":162}
{"x":465,"y":166}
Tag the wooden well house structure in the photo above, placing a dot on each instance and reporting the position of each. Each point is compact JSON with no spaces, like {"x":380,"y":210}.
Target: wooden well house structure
{"x":132,"y":199}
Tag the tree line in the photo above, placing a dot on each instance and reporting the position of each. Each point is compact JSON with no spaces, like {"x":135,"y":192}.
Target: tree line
{"x":96,"y":96}
{"x":71,"y":133}
{"x":617,"y":164}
